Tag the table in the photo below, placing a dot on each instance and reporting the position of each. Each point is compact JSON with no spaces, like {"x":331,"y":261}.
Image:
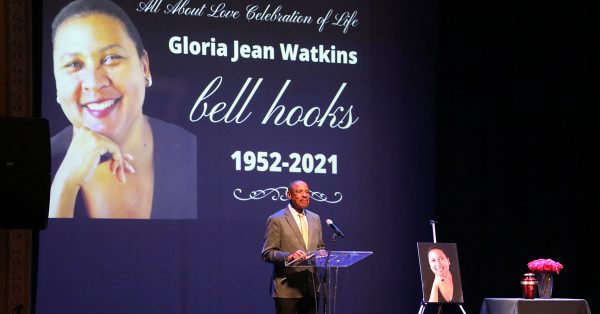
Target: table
{"x":534,"y":306}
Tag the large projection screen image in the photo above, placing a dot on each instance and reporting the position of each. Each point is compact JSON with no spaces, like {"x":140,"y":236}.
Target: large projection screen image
{"x":176,"y":127}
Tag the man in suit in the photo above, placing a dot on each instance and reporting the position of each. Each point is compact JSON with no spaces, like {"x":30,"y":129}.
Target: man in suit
{"x":291,"y":233}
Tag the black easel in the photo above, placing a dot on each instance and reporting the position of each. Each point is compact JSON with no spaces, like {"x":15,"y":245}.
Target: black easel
{"x":439,"y":306}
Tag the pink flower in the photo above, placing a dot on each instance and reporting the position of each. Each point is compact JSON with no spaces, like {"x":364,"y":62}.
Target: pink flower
{"x":545,"y":265}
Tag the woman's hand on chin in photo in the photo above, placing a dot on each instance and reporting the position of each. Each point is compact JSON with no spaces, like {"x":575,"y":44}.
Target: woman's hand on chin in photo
{"x":438,"y":280}
{"x":87,"y":150}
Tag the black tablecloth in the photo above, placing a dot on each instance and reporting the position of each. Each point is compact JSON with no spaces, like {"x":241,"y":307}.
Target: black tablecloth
{"x":534,"y":306}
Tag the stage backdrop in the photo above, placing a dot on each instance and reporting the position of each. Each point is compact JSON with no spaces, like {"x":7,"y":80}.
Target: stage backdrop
{"x":336,"y":93}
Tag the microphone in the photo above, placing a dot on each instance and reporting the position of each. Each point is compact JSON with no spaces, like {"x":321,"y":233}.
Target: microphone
{"x":337,"y":230}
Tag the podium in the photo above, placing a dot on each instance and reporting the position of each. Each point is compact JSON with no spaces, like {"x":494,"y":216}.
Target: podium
{"x":328,"y":264}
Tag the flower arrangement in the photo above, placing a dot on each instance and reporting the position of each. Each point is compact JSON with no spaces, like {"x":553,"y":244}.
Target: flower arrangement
{"x":545,"y":265}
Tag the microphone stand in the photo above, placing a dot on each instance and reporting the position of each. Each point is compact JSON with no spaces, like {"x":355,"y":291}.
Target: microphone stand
{"x":325,"y":273}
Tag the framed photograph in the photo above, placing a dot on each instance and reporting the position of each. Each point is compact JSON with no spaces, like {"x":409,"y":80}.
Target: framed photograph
{"x":440,"y":272}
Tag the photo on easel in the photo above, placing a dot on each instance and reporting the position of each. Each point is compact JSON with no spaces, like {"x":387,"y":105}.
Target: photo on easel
{"x":440,"y":272}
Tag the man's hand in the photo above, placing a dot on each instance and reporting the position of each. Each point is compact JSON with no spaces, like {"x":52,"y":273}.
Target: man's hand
{"x":299,"y":254}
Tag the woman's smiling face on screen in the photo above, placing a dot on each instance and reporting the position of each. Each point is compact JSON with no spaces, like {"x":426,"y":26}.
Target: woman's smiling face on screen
{"x":100,"y":78}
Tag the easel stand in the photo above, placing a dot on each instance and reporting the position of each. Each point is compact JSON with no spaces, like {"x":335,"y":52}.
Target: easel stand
{"x":439,"y":305}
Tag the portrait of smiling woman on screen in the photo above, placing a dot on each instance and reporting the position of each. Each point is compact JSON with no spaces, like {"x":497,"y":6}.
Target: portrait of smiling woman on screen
{"x":113,"y":161}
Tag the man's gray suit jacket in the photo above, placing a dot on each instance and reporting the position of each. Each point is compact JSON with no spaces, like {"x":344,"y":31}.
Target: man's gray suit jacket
{"x":283,"y":237}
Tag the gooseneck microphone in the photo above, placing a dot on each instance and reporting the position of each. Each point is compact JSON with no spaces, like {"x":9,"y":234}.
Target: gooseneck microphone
{"x":337,"y":230}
